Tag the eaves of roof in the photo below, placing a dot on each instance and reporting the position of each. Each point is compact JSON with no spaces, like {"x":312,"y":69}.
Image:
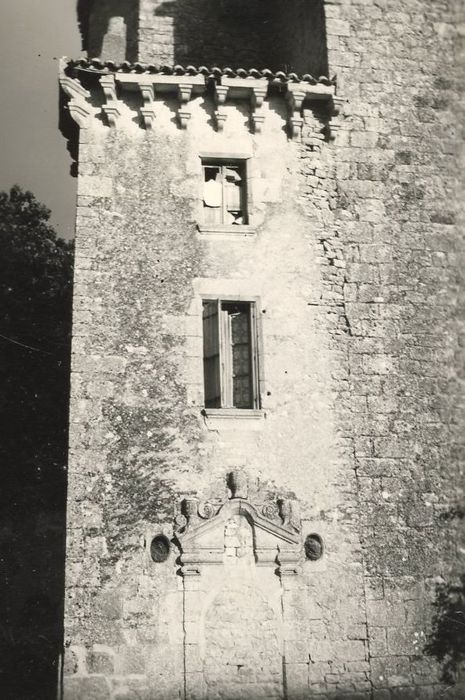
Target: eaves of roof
{"x":97,"y":66}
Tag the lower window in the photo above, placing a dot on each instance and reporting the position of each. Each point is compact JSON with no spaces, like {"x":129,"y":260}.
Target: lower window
{"x":230,"y":356}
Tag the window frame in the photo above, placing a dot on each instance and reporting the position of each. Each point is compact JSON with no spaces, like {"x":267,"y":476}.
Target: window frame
{"x":256,"y":355}
{"x":220,"y":159}
{"x":222,"y":167}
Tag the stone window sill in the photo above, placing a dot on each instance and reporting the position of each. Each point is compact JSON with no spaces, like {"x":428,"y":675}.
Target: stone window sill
{"x":235,"y":229}
{"x":232,"y":413}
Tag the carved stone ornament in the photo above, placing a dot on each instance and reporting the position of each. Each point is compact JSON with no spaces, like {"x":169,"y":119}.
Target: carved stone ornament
{"x":148,"y":111}
{"x":111,"y":109}
{"x":78,"y":105}
{"x":183,"y":117}
{"x":338,"y":105}
{"x":300,"y":92}
{"x":207,"y":510}
{"x":191,"y":511}
{"x":270,"y":511}
{"x":313,"y":547}
{"x":220,"y":118}
{"x":187,"y":85}
{"x":203,"y":541}
{"x":289,"y":514}
{"x":258,"y":120}
{"x":237,"y":482}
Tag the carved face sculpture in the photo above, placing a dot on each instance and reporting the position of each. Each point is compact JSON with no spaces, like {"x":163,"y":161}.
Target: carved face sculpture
{"x":313,"y":547}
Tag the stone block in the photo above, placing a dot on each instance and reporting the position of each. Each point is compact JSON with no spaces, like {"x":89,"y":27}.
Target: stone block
{"x":390,"y":671}
{"x":378,"y":641}
{"x":101,"y":662}
{"x":86,"y":688}
{"x":382,"y":694}
{"x":130,"y":660}
{"x":110,"y":605}
{"x":95,"y":186}
{"x":364,"y":139}
{"x":72,"y":663}
{"x":405,"y":641}
{"x":338,"y":27}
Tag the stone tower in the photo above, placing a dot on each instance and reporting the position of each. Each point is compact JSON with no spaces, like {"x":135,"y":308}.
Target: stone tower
{"x":265,"y":413}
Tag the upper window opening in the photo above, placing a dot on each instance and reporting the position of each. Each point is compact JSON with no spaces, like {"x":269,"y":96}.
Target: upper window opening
{"x":230,"y":354}
{"x":224,"y":193}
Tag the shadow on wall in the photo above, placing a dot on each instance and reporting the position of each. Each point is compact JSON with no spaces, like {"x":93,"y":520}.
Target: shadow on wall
{"x":109,"y":28}
{"x":35,"y":299}
{"x":286,"y":35}
{"x":446,"y":642}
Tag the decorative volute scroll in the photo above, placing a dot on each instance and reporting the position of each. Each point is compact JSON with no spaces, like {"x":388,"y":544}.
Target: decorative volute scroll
{"x":276,"y":528}
{"x":78,"y":105}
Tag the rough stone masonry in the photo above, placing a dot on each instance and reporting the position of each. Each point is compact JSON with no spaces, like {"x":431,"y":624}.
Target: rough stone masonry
{"x":289,"y":547}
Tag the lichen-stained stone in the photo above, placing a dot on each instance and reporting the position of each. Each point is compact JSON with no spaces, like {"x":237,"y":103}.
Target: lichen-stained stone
{"x":353,"y":254}
{"x":87,"y":687}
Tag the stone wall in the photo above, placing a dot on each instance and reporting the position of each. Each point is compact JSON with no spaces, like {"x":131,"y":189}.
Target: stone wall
{"x":139,"y":439}
{"x":239,"y":33}
{"x":393,"y":254}
{"x":354,"y":257}
{"x":110,"y":28}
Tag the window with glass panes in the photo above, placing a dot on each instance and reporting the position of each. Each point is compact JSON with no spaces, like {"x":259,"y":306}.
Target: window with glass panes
{"x":230,"y":355}
{"x":224,"y":193}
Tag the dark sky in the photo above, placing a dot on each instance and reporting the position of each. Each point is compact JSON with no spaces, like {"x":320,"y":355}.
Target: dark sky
{"x":33,"y":35}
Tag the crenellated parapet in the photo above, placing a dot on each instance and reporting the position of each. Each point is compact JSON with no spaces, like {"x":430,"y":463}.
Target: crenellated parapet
{"x":123,"y":84}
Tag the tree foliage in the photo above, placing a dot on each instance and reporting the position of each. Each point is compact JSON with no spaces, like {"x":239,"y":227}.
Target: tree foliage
{"x":35,"y":329}
{"x":447,"y":639}
{"x":35,"y":324}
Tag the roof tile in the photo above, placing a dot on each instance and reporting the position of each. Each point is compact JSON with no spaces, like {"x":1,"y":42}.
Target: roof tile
{"x":98,"y":66}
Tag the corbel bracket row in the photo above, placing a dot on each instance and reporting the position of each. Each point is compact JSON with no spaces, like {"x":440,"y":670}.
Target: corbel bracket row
{"x":299,"y":93}
{"x":151,"y":87}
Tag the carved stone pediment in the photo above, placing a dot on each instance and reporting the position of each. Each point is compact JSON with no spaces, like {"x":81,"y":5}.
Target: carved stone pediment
{"x":237,"y":529}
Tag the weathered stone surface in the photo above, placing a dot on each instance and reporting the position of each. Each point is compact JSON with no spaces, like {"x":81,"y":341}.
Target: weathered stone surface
{"x":86,"y":688}
{"x":356,"y":258}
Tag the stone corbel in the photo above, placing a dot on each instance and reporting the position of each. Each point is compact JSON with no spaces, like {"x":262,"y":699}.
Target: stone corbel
{"x":338,"y":104}
{"x":221,"y":93}
{"x":111,"y":108}
{"x":78,"y":107}
{"x":147,"y":111}
{"x":257,"y":97}
{"x":295,"y":126}
{"x":220,"y":118}
{"x":295,"y":98}
{"x":252,"y":89}
{"x":257,"y":122}
{"x":184,"y":95}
